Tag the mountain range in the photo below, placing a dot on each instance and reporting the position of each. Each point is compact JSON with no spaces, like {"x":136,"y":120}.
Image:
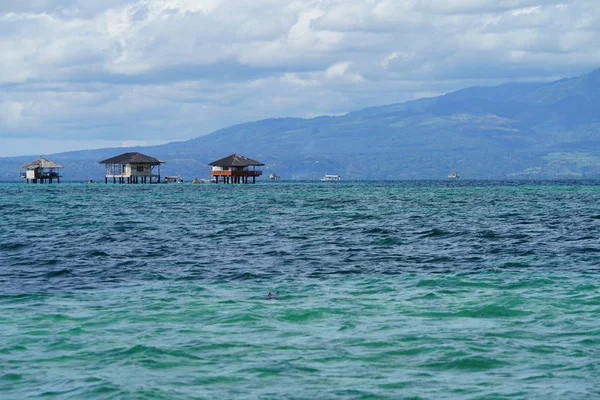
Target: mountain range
{"x":511,"y":131}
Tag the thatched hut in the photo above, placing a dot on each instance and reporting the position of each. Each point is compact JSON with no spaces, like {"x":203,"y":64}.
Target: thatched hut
{"x":42,"y":170}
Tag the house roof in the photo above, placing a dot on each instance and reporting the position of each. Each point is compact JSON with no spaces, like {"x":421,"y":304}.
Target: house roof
{"x":132,"y":158}
{"x":235,"y":160}
{"x":42,"y":163}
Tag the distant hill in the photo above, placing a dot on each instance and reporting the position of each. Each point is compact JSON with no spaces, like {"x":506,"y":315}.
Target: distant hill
{"x":511,"y":131}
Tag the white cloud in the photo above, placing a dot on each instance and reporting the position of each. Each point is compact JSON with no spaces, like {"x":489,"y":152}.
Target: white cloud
{"x":341,"y":71}
{"x":131,"y":70}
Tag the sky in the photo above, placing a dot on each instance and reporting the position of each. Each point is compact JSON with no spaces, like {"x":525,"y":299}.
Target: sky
{"x":82,"y":74}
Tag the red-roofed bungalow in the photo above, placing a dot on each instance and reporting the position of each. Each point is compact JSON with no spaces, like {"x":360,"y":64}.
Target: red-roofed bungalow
{"x":235,"y":169}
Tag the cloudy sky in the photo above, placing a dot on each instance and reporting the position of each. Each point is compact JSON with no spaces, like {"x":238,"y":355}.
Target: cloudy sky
{"x":78,"y":74}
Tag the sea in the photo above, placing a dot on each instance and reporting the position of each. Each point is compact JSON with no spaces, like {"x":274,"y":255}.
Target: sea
{"x":379,"y":290}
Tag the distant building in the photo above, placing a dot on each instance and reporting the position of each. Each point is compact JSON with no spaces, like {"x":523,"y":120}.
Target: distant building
{"x":42,"y":170}
{"x":235,"y":169}
{"x":132,"y":168}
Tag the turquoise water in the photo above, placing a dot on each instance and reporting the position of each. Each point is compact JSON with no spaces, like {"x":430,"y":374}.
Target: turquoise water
{"x":426,"y":290}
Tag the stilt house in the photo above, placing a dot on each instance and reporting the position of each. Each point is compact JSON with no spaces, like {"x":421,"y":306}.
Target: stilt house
{"x":132,"y":168}
{"x":235,"y":169}
{"x":42,"y":170}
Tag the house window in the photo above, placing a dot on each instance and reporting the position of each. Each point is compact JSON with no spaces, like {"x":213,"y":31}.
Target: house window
{"x":140,"y":168}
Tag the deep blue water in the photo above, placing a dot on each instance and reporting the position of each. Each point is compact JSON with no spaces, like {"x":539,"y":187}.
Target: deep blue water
{"x":387,"y":290}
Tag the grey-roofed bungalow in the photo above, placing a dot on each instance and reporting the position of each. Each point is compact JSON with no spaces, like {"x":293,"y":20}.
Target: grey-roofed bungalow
{"x":42,"y":170}
{"x":132,"y":168}
{"x":235,"y":169}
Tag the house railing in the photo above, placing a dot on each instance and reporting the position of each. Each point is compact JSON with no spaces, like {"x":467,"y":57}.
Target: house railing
{"x":49,"y":175}
{"x":235,"y":173}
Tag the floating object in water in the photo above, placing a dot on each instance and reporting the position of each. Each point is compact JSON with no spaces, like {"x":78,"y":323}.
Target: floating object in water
{"x":331,"y":178}
{"x":271,"y":296}
{"x":173,"y":179}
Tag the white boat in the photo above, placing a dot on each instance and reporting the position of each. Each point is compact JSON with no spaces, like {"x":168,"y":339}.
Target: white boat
{"x":273,"y":176}
{"x":173,"y":179}
{"x":331,"y":178}
{"x":453,"y":175}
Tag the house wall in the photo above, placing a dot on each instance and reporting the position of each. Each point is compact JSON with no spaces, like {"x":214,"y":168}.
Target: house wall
{"x":132,"y":170}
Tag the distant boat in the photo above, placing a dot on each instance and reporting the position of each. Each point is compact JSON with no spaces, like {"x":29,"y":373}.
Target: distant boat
{"x":201,"y":181}
{"x":173,"y":179}
{"x":273,"y":176}
{"x":331,"y":178}
{"x":453,"y":175}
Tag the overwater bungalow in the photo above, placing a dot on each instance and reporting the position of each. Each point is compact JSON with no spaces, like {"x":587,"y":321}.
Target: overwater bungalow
{"x":132,"y":168}
{"x":235,"y":169}
{"x":42,"y":170}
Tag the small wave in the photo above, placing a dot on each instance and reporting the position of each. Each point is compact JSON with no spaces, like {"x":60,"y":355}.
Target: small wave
{"x":237,"y":319}
{"x":245,"y":276}
{"x":435,"y":233}
{"x":61,"y":272}
{"x":580,"y":239}
{"x":533,"y":283}
{"x":584,"y":250}
{"x":141,"y":349}
{"x":468,"y":363}
{"x":277,"y":253}
{"x":377,"y":231}
{"x":12,"y":246}
{"x":302,"y":315}
{"x":97,"y":253}
{"x":428,"y":296}
{"x":489,"y":235}
{"x":11,"y":377}
{"x":515,"y":265}
{"x":50,"y":262}
{"x":389,"y":241}
{"x":492,"y":311}
{"x":430,"y":283}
